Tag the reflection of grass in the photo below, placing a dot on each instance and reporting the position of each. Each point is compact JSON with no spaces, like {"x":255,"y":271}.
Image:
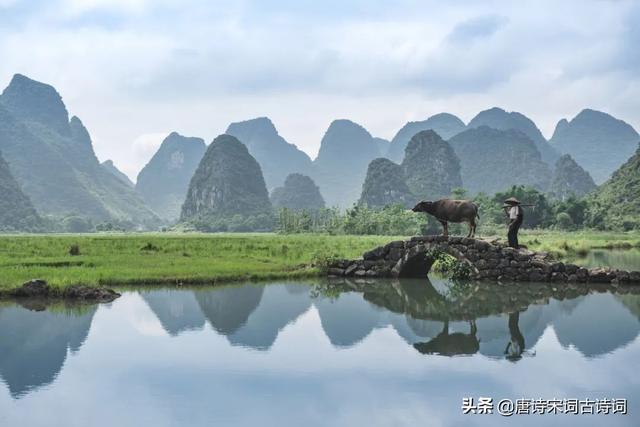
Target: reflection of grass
{"x":170,"y":258}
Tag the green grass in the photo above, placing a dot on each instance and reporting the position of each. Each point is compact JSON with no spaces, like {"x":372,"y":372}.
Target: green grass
{"x":135,"y":259}
{"x":563,"y":244}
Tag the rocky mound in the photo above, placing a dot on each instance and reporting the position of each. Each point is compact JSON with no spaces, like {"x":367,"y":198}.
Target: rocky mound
{"x":52,"y":159}
{"x":299,"y":192}
{"x":497,"y":118}
{"x":227,"y":182}
{"x":493,"y":160}
{"x":164,"y":181}
{"x":444,"y":124}
{"x":569,"y":179}
{"x":385,"y":185}
{"x":431,"y":167}
{"x":16,"y":211}
{"x":276,"y":156}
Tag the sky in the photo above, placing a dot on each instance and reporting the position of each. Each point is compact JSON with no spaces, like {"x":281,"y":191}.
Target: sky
{"x":135,"y":70}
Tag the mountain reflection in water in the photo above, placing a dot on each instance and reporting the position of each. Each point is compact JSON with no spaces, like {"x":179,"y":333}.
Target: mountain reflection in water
{"x":496,"y":322}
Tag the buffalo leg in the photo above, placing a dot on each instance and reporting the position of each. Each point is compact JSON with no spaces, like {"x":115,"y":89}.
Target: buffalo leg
{"x":445,"y":226}
{"x":472,"y":228}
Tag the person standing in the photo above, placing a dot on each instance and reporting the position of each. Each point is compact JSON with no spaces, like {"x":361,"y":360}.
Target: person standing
{"x":516,"y":216}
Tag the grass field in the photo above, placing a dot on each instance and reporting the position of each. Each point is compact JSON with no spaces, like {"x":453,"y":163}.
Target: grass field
{"x":136,"y":259}
{"x":132,"y":259}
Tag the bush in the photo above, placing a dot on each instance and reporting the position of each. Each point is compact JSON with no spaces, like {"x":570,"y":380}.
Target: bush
{"x":74,"y":250}
{"x":564,"y":221}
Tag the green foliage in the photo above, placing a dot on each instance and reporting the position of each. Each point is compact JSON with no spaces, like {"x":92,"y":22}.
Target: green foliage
{"x":299,"y":192}
{"x":77,"y":224}
{"x":392,"y":220}
{"x":449,"y":266}
{"x":541,"y":214}
{"x":616,"y":204}
{"x":564,"y":221}
{"x":234,"y":224}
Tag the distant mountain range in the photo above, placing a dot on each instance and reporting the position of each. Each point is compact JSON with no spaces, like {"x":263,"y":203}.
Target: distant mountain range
{"x":444,"y":124}
{"x":599,"y":142}
{"x":52,"y":172}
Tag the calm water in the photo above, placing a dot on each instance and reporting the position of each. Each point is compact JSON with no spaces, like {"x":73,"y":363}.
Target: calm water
{"x":400,"y":353}
{"x":623,"y":259}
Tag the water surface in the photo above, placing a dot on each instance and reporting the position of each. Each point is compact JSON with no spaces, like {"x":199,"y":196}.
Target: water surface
{"x":622,"y":259}
{"x":318,"y":353}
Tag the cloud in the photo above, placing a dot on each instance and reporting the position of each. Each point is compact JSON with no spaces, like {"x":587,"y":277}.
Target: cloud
{"x":130,"y":69}
{"x":476,"y":28}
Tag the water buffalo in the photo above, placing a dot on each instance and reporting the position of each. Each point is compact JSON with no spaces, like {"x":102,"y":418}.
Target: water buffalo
{"x":447,"y":344}
{"x":447,"y":210}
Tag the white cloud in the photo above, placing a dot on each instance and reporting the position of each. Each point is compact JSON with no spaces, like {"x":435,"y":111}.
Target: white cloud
{"x":133,"y":68}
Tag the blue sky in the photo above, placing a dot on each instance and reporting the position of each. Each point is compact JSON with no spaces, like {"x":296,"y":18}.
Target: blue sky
{"x":135,"y":70}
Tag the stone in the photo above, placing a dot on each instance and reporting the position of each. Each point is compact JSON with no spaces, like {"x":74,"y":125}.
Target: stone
{"x":395,"y":244}
{"x":351,"y":269}
{"x":600,"y":275}
{"x":90,"y":293}
{"x":622,"y":276}
{"x":634,"y":276}
{"x":481,"y":245}
{"x":360,"y":273}
{"x":32,"y":288}
{"x":571,"y":268}
{"x":335,"y":271}
{"x":557,"y":267}
{"x":537,"y":276}
{"x":558,"y":277}
{"x":394,"y":254}
{"x":377,"y":253}
{"x":508,"y":252}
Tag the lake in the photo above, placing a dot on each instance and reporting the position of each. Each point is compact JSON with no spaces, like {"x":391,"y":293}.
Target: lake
{"x":321,"y":353}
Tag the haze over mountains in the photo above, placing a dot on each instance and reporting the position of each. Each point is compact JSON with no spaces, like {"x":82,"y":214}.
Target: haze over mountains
{"x":599,"y":142}
{"x":164,"y":181}
{"x":52,"y":172}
